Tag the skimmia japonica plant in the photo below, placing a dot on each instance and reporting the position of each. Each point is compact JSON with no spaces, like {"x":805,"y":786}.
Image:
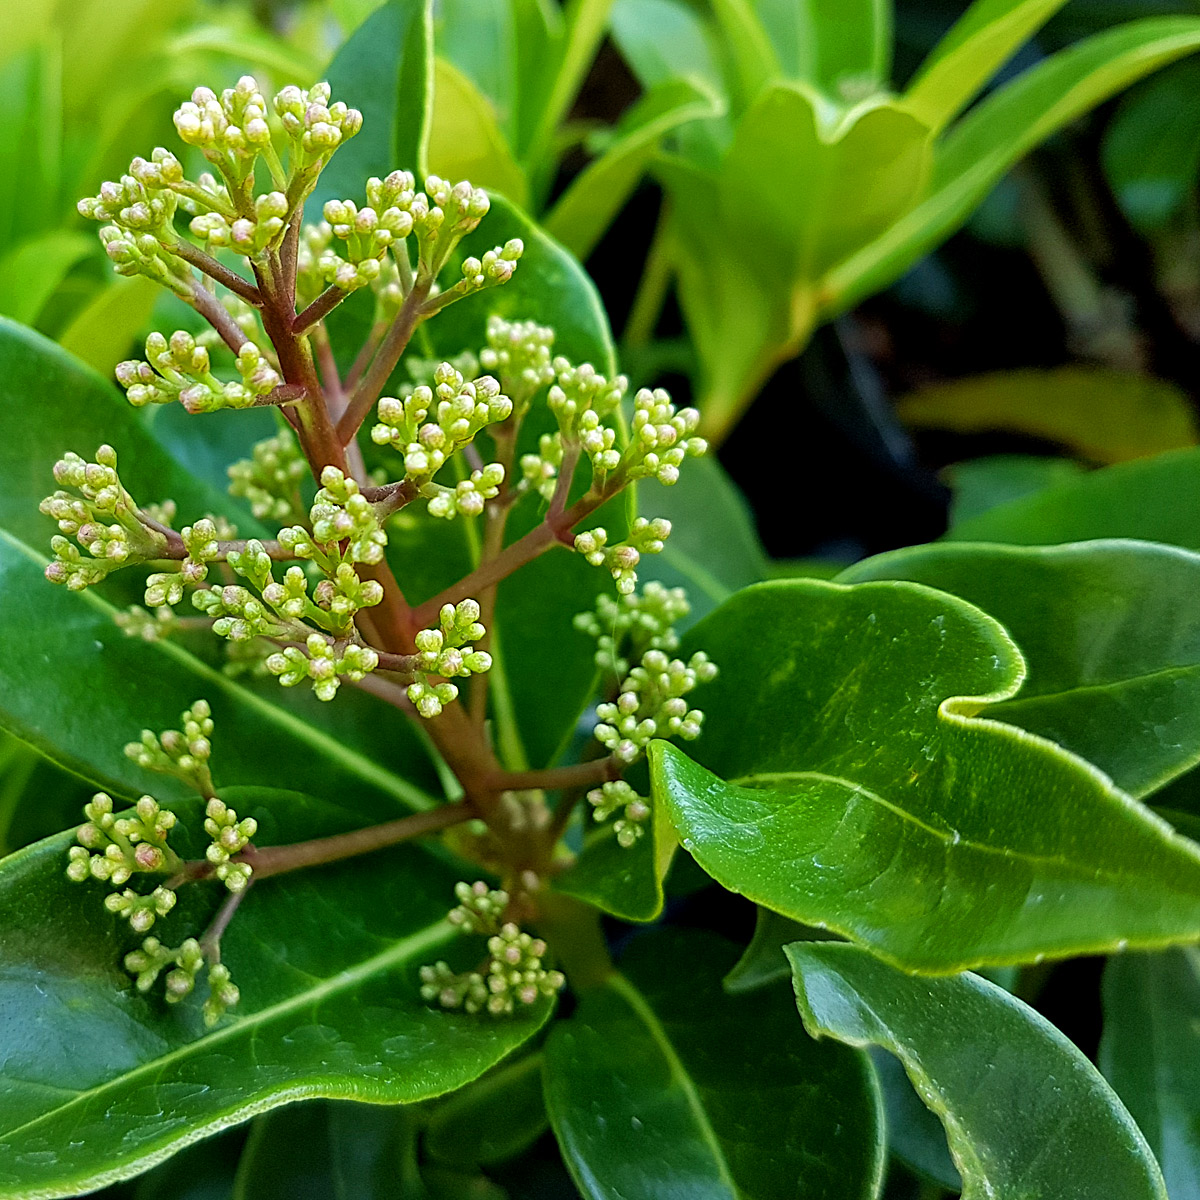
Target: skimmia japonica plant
{"x":443,"y":708}
{"x":318,"y":605}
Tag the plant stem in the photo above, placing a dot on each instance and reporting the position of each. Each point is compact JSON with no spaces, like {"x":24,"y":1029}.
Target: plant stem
{"x":211,"y":309}
{"x":215,"y":270}
{"x":319,"y":309}
{"x":210,"y":941}
{"x":384,"y":362}
{"x":652,"y":290}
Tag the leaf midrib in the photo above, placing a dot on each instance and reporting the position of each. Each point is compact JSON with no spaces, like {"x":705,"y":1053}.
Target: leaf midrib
{"x":619,"y":984}
{"x":1069,"y":868}
{"x":362,"y":766}
{"x":400,"y":951}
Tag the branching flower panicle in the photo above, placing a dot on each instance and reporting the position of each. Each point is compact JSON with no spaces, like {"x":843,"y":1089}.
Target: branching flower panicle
{"x":182,"y":752}
{"x":443,"y":654}
{"x":271,"y":479}
{"x":630,"y":625}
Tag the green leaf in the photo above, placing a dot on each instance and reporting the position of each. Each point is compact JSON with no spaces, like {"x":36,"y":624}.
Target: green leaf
{"x":481,"y":37}
{"x":77,"y":688}
{"x":31,"y":140}
{"x":31,"y":272}
{"x":974,"y":155}
{"x":867,"y":796}
{"x":763,"y":961}
{"x":586,"y":209}
{"x":326,"y":960}
{"x":1025,"y":1113}
{"x":1110,"y":632}
{"x":915,"y":1135}
{"x":625,"y":882}
{"x":491,"y":1120}
{"x":105,"y":331}
{"x":1154,"y":500}
{"x":329,"y":1148}
{"x":986,"y":483}
{"x":661,"y":1085}
{"x":664,"y":40}
{"x":1151,"y":148}
{"x":714,"y":548}
{"x":1102,"y":415}
{"x":385,"y":70}
{"x":465,"y":141}
{"x":843,"y":47}
{"x":983,"y":39}
{"x":1149,"y":1054}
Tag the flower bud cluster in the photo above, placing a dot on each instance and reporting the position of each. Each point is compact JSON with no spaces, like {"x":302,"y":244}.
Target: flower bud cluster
{"x":314,"y":127}
{"x":444,"y":654}
{"x":322,"y":662}
{"x":165,"y":589}
{"x":518,"y":352}
{"x":340,"y":514}
{"x":270,"y":479}
{"x":651,"y":704}
{"x":104,"y":519}
{"x":136,"y":622}
{"x":114,"y":846}
{"x":467,"y":496}
{"x":659,"y":438}
{"x":443,"y":214}
{"x":610,"y":797}
{"x":141,"y":911}
{"x":140,"y":202}
{"x":480,"y":908}
{"x":630,"y":625}
{"x":539,"y":472}
{"x":180,"y":369}
{"x":496,"y":267}
{"x":621,"y":559}
{"x":580,"y":391}
{"x":185,"y":963}
{"x":369,"y":231}
{"x":229,"y":838}
{"x":183,"y":752}
{"x":247,"y":235}
{"x":231,"y":130}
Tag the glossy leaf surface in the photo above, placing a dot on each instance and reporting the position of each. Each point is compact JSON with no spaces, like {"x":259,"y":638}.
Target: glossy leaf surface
{"x":66,"y":644}
{"x":1110,"y":632}
{"x":661,"y":1085}
{"x":1149,"y":1053}
{"x":326,"y":960}
{"x":981,"y":484}
{"x":1025,"y":1113}
{"x":866,"y":794}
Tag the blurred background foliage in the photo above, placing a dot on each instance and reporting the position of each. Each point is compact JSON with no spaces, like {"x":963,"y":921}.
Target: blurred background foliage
{"x":1054,"y":333}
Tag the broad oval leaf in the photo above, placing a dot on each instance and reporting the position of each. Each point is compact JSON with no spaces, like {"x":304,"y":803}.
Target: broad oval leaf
{"x":101,"y":1082}
{"x":980,"y":484}
{"x":1153,"y":500}
{"x":1025,"y":1113}
{"x":866,"y":794}
{"x":76,"y":687}
{"x":1149,"y":1054}
{"x":661,"y":1085}
{"x":1110,"y":632}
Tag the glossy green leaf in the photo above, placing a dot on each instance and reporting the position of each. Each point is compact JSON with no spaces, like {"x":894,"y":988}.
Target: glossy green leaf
{"x":751,"y":56}
{"x":867,"y":794}
{"x":492,"y":1119}
{"x":714,"y":548}
{"x":661,"y":1085}
{"x":1155,"y":500}
{"x":1149,"y":1054}
{"x":32,"y":271}
{"x":999,"y":130}
{"x":981,"y":484}
{"x":763,"y":961}
{"x":623,"y":881}
{"x":465,"y":140}
{"x":1110,"y":633}
{"x":585,"y":210}
{"x":915,"y":1135}
{"x":984,"y":38}
{"x":60,"y":646}
{"x":1025,"y":1113}
{"x":1151,"y":148}
{"x":385,"y":70}
{"x":324,"y":1149}
{"x":843,"y":47}
{"x":666,"y":39}
{"x":481,"y":38}
{"x":105,"y":331}
{"x":327,"y":963}
{"x":1102,"y":415}
{"x":31,"y":140}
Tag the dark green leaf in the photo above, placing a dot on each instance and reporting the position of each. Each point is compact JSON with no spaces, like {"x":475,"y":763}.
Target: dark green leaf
{"x":763,"y":961}
{"x":492,"y":1119}
{"x":101,"y":1082}
{"x":661,"y":1085}
{"x":1110,"y":632}
{"x":867,"y":796}
{"x":480,"y":38}
{"x":915,"y":1135}
{"x":328,"y":1149}
{"x":1026,"y":1114}
{"x":77,"y":688}
{"x":1155,"y":500}
{"x":32,"y":271}
{"x":385,"y":70}
{"x":985,"y":483}
{"x":1149,"y":1054}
